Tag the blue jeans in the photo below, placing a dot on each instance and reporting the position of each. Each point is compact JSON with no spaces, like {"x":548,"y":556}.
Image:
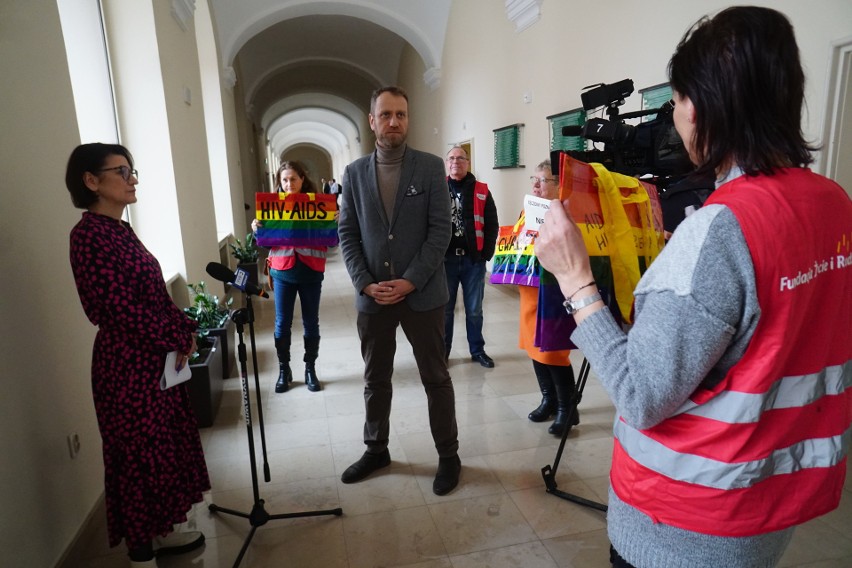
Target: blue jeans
{"x":285,"y":301}
{"x":471,"y":276}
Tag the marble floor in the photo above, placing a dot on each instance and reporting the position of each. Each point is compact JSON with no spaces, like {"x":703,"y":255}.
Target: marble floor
{"x":499,"y":516}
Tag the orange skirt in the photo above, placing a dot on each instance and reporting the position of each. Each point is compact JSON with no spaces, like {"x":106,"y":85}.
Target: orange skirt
{"x":526,"y":337}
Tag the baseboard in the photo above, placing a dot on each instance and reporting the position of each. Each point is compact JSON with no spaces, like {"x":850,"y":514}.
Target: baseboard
{"x":90,"y":536}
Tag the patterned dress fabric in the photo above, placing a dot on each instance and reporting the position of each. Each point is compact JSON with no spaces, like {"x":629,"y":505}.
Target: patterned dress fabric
{"x":153,"y":459}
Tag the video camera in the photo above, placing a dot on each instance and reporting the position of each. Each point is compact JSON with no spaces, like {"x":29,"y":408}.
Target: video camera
{"x":649,"y":148}
{"x":652,"y":148}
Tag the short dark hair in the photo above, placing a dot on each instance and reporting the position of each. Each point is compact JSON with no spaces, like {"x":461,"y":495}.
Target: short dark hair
{"x":299,"y":168}
{"x":89,"y":158}
{"x":395,"y":91}
{"x":742,"y":72}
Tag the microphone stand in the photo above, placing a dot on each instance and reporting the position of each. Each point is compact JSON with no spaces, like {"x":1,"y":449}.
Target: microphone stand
{"x":548,"y":472}
{"x":258,"y":515}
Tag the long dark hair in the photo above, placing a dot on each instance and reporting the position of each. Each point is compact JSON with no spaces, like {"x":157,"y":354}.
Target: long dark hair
{"x":742,"y":72}
{"x":299,"y":168}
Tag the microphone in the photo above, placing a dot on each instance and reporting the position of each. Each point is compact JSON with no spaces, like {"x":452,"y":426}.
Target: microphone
{"x":238,"y":280}
{"x":572,"y":130}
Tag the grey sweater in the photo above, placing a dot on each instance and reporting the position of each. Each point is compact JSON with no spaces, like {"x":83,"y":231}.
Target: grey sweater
{"x":696,"y":311}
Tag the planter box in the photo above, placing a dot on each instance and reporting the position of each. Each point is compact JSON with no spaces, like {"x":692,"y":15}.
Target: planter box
{"x":226,"y":337}
{"x":205,"y":386}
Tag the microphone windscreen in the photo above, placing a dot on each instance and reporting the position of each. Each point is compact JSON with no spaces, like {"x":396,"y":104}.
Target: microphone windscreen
{"x":572,"y":130}
{"x":220,"y":272}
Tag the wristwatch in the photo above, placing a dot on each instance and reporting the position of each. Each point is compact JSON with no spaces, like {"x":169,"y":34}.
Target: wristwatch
{"x":574,"y":306}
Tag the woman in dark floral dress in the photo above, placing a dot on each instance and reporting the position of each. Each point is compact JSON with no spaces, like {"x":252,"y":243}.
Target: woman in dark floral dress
{"x":152,"y":452}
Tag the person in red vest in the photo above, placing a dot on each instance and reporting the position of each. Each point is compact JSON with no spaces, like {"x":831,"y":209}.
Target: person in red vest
{"x":474,"y":236}
{"x":733,"y":388}
{"x":296,"y":270}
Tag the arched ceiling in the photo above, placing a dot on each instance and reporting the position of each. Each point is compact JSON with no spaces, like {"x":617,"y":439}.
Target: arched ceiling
{"x":319,"y":60}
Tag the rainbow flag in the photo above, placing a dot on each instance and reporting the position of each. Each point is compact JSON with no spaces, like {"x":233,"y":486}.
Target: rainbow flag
{"x":514,"y":259}
{"x":622,"y":225}
{"x":296,"y":219}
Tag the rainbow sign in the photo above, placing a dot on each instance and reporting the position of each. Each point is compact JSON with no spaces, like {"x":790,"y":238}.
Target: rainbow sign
{"x":514,"y":258}
{"x":296,"y":219}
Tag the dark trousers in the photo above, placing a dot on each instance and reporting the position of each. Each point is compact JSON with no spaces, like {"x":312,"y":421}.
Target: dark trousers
{"x":471,"y":276}
{"x":285,"y":301}
{"x":425,"y":333}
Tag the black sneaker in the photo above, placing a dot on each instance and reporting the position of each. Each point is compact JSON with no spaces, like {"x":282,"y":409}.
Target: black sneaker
{"x":447,"y":477}
{"x":483,"y":360}
{"x":362,"y":468}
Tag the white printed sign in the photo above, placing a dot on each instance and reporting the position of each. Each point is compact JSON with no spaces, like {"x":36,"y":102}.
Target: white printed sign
{"x":534,"y":210}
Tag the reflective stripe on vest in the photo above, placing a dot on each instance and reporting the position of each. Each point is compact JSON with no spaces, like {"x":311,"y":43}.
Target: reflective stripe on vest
{"x":284,"y":258}
{"x":693,"y":468}
{"x":480,"y":197}
{"x":789,"y":392}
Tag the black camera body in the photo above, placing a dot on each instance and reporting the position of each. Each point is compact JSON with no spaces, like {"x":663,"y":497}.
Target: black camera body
{"x":649,"y":148}
{"x":652,"y":148}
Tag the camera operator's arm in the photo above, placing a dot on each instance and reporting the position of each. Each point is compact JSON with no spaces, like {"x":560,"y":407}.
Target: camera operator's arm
{"x":688,"y":305}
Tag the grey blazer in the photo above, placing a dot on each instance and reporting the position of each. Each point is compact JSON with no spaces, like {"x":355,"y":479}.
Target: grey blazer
{"x":410,"y":245}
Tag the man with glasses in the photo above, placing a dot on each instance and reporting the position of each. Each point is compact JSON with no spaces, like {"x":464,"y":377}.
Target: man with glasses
{"x":474,"y":235}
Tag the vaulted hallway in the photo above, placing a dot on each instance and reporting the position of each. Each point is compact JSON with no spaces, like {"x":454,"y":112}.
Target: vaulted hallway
{"x":210,"y":96}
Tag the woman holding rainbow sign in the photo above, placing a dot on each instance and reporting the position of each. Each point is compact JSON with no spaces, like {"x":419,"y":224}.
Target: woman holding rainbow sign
{"x":296,"y":269}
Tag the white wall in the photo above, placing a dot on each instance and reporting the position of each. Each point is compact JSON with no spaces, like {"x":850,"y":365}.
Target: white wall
{"x":45,"y":339}
{"x":45,"y":495}
{"x":487,"y":68}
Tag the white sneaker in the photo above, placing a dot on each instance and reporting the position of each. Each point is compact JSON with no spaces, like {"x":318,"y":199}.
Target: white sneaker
{"x":177,"y":543}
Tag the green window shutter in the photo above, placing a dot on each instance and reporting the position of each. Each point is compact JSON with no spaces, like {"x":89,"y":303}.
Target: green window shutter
{"x":575,"y":117}
{"x":655,"y":97}
{"x":507,"y":147}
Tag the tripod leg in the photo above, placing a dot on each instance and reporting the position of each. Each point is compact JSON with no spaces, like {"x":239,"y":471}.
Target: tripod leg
{"x":213,"y":508}
{"x":548,"y":472}
{"x":258,"y":516}
{"x":245,"y":547}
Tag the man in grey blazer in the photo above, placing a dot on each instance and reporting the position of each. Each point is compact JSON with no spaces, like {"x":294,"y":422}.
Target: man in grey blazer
{"x":394,"y":230}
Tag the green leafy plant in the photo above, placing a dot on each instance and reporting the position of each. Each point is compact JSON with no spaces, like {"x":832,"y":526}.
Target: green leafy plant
{"x":209,"y":312}
{"x":203,"y":346}
{"x":206,"y":309}
{"x":245,"y":253}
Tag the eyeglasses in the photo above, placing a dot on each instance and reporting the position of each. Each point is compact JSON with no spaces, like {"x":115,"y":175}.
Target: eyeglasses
{"x":123,"y":171}
{"x":456,"y":159}
{"x":542,"y":180}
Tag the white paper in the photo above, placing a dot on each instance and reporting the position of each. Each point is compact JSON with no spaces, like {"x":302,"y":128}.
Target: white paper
{"x":534,"y":210}
{"x":171,"y":377}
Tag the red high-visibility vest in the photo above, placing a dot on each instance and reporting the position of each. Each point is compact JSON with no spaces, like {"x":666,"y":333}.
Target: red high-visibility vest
{"x":766,"y":448}
{"x":284,"y":258}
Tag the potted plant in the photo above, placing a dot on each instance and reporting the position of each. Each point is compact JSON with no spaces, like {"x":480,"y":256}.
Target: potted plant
{"x":213,"y":318}
{"x":205,"y":386}
{"x":246,"y":254}
{"x":215,"y":329}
